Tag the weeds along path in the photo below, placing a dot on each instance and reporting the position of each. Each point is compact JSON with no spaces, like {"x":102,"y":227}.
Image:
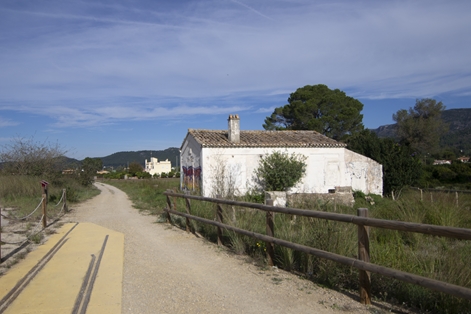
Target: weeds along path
{"x":167,"y":270}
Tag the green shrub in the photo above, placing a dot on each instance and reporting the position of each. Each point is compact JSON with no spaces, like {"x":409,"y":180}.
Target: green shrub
{"x":280,"y":171}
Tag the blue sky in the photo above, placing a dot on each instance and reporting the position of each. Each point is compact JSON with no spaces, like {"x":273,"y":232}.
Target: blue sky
{"x":100,"y":77}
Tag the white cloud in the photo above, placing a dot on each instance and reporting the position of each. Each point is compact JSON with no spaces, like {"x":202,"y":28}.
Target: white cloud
{"x":251,"y":9}
{"x":95,"y":63}
{"x":265,"y":110}
{"x":98,"y":116}
{"x":7,"y":122}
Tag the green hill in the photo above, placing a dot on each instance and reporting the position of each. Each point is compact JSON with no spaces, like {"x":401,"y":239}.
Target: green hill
{"x":459,"y":134}
{"x":458,"y":137}
{"x":122,"y":159}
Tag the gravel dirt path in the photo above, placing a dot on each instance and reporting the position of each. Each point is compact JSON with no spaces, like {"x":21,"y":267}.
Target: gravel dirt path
{"x":167,"y":270}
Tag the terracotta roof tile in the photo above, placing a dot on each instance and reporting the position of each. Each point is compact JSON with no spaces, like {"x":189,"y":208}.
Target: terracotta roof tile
{"x":219,"y":138}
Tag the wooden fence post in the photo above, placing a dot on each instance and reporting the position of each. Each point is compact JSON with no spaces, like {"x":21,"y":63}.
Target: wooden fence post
{"x":188,"y":211}
{"x":271,"y":233}
{"x":364,"y":255}
{"x":219,"y":219}
{"x":0,"y":236}
{"x":65,"y":200}
{"x":457,"y":201}
{"x":174,"y":199}
{"x":169,"y":204}
{"x":44,"y":206}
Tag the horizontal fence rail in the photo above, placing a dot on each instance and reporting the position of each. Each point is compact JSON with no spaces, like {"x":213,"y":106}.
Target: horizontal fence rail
{"x":362,"y":265}
{"x":397,"y":274}
{"x":457,"y":233}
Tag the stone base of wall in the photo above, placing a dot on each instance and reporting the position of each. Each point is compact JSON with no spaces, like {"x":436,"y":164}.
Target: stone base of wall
{"x":341,"y":195}
{"x":279,"y":198}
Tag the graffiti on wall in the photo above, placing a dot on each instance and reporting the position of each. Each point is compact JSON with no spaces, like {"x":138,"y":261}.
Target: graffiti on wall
{"x":191,"y":171}
{"x":191,"y":178}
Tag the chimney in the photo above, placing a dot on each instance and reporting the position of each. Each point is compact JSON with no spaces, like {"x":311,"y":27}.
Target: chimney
{"x":234,"y":128}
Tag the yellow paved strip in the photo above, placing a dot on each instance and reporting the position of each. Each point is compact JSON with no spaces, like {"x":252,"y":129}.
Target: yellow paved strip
{"x":106,"y":296}
{"x":57,"y":285}
{"x":18,"y":271}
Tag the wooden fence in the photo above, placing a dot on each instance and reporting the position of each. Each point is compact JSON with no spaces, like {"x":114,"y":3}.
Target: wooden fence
{"x":362,"y":221}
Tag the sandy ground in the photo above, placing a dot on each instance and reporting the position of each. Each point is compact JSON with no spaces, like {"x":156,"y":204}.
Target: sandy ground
{"x":167,"y":270}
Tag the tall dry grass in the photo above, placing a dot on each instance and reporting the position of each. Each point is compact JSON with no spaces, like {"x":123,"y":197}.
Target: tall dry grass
{"x":24,"y":193}
{"x":429,"y":256}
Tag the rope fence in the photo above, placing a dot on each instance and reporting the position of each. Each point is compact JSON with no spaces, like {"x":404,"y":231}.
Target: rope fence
{"x":62,"y":196}
{"x":27,"y":216}
{"x":41,"y":224}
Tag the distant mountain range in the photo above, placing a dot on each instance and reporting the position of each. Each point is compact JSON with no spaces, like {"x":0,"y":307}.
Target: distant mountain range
{"x":458,"y":136}
{"x":123,"y":159}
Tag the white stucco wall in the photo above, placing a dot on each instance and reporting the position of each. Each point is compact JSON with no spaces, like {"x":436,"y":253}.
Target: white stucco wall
{"x":223,"y":168}
{"x":363,"y":173}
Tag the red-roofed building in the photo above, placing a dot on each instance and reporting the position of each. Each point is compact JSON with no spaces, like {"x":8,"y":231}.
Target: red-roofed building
{"x":212,"y":160}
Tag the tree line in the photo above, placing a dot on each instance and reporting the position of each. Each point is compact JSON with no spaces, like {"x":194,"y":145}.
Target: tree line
{"x":329,"y":112}
{"x":28,"y":157}
{"x":135,"y":169}
{"x":404,"y":158}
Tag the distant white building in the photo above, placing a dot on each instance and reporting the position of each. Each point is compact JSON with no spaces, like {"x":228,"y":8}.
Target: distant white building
{"x":155,"y":166}
{"x":442,"y":162}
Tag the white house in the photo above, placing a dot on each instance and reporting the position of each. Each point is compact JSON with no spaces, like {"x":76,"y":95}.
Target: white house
{"x":155,"y":166}
{"x":216,"y":160}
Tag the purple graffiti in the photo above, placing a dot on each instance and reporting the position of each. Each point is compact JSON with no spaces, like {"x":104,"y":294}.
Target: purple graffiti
{"x":191,"y":177}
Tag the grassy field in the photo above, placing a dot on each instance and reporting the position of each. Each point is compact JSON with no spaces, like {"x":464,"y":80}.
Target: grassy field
{"x":433,"y":257}
{"x":24,"y":193}
{"x":147,"y":195}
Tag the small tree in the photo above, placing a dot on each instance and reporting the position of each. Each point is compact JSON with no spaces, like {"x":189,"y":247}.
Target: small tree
{"x":143,"y":175}
{"x":421,"y":127}
{"x":280,"y":171}
{"x":25,"y":156}
{"x":90,"y":166}
{"x":400,"y":167}
{"x":135,"y":167}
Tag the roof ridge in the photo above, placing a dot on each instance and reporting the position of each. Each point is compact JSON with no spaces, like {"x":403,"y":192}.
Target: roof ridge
{"x":264,"y":138}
